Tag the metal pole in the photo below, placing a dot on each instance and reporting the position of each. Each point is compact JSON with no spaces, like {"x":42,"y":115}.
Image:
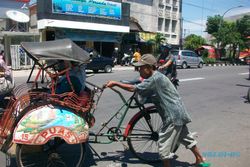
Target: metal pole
{"x":226,"y":12}
{"x":220,"y":24}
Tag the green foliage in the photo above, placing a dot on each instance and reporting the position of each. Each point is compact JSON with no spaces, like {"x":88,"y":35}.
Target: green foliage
{"x":231,"y":34}
{"x":206,"y":59}
{"x":213,"y":24}
{"x":209,"y":60}
{"x":193,"y":42}
{"x":243,"y":26}
{"x":204,"y":54}
{"x":159,"y":40}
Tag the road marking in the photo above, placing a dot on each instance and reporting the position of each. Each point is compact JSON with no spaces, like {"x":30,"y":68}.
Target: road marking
{"x":190,"y":79}
{"x":244,"y":73}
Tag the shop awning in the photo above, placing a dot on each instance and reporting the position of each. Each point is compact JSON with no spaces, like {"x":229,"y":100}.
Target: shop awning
{"x":42,"y":24}
{"x":77,"y":35}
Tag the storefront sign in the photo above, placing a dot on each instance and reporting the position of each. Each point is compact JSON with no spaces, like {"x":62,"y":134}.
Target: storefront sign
{"x":97,"y":8}
{"x":146,"y":36}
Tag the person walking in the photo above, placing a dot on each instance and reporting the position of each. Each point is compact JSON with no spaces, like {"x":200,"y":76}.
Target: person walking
{"x":170,"y":107}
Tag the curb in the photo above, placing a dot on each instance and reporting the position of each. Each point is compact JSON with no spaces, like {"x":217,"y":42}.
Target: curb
{"x":123,"y":68}
{"x":26,"y":72}
{"x":224,"y":64}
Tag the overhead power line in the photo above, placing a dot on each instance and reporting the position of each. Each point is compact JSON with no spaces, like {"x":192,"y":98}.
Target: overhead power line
{"x":197,"y":6}
{"x":194,"y":22}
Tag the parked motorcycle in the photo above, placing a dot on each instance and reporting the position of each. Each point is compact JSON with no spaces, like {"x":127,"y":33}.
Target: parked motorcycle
{"x":126,"y":59}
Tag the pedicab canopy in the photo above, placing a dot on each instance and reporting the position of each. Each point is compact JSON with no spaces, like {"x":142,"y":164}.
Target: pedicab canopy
{"x":63,"y":49}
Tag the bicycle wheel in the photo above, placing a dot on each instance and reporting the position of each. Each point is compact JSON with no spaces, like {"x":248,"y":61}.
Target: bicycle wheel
{"x":143,"y":136}
{"x":55,"y":153}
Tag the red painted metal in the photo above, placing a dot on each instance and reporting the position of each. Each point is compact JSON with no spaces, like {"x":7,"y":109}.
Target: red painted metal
{"x":23,"y":1}
{"x":128,"y":127}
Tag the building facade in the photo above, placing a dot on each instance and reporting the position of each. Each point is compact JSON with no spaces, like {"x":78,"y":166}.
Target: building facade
{"x":93,"y":25}
{"x":163,"y":16}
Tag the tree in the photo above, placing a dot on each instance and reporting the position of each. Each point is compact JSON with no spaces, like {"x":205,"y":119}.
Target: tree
{"x":193,"y":42}
{"x":213,"y":24}
{"x":243,"y":26}
{"x":232,"y":34}
{"x":159,"y":40}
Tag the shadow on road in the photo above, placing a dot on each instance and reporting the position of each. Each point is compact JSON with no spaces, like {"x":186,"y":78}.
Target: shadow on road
{"x":247,"y":86}
{"x":121,"y":159}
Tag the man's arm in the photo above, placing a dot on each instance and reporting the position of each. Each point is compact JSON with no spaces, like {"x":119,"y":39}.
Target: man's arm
{"x":128,"y":87}
{"x":166,"y":65}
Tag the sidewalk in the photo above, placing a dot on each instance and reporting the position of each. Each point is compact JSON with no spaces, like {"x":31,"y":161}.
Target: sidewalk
{"x":26,"y":72}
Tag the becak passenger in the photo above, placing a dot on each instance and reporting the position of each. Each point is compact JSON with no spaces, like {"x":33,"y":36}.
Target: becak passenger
{"x":77,"y":76}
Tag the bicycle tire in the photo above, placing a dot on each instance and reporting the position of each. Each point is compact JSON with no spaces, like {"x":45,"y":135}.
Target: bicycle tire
{"x":66,"y":155}
{"x":147,"y":149}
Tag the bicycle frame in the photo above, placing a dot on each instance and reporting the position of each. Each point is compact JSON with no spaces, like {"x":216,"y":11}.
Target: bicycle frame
{"x":115,"y":135}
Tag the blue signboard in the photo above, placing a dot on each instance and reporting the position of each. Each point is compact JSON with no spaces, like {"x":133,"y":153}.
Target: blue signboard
{"x":97,"y":8}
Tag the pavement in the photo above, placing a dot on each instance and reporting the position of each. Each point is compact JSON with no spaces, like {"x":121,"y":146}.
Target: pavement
{"x":26,"y":72}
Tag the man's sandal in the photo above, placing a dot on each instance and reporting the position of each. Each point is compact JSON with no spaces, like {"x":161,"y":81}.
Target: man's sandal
{"x":203,"y":164}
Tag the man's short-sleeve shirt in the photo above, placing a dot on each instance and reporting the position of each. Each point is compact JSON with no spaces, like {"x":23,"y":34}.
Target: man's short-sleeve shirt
{"x":166,"y":99}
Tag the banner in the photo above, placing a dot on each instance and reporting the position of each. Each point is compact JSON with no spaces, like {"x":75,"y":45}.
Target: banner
{"x":97,"y":8}
{"x":144,"y":36}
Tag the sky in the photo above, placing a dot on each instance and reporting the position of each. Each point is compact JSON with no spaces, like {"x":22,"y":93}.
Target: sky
{"x":195,"y":13}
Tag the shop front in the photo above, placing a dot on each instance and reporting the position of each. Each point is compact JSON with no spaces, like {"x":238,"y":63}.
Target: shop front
{"x":141,"y":40}
{"x":93,"y":25}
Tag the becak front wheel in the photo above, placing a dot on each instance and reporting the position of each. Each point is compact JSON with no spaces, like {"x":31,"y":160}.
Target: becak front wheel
{"x":55,"y":153}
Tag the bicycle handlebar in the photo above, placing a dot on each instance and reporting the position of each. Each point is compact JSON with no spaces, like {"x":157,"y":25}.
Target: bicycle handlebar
{"x":97,"y":88}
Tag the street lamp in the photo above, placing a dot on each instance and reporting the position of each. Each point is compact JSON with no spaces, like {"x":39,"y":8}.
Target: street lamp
{"x":226,"y":12}
{"x":221,"y":19}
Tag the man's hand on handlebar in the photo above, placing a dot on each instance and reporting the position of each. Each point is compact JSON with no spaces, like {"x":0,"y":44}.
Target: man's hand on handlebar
{"x":160,"y":68}
{"x":124,"y":86}
{"x":110,"y":84}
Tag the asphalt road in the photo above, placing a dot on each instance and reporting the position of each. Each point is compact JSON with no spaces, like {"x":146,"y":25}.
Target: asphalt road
{"x":214,"y":97}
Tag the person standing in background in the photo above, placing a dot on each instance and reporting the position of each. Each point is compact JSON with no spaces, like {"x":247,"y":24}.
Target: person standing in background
{"x":6,"y":79}
{"x":136,"y":56}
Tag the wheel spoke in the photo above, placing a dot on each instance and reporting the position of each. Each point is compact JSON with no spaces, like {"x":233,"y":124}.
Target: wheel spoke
{"x":142,"y":140}
{"x":54,"y":153}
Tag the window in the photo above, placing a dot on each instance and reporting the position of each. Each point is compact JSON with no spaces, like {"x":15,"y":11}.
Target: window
{"x":160,"y":24}
{"x":173,"y":36}
{"x":167,"y":23}
{"x":175,"y":3}
{"x":174,"y":23}
{"x":189,"y":54}
{"x":194,"y":55}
